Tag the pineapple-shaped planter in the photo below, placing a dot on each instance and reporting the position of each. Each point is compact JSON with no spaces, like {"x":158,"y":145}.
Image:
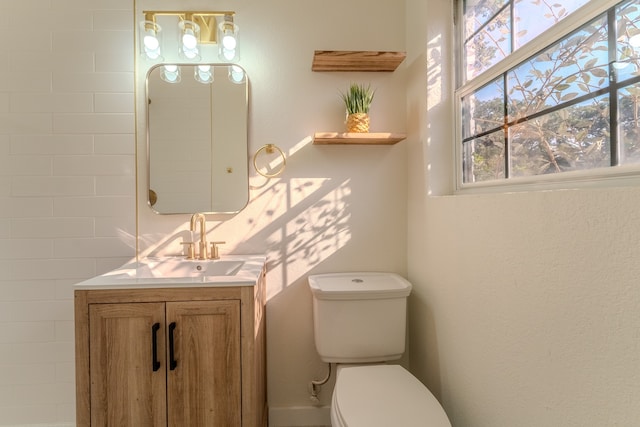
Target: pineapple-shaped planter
{"x":357,"y":102}
{"x":358,"y":122}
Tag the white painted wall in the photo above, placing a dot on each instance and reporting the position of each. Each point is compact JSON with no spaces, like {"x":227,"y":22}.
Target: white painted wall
{"x":67,"y":179}
{"x":525,"y":307}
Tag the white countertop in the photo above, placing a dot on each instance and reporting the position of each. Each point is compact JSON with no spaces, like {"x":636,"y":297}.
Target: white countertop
{"x":143,"y":274}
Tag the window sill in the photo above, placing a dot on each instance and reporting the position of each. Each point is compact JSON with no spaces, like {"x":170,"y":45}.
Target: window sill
{"x":620,"y":176}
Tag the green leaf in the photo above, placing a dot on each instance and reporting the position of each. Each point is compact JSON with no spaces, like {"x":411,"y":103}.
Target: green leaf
{"x":569,"y":96}
{"x":591,"y":63}
{"x":358,"y":98}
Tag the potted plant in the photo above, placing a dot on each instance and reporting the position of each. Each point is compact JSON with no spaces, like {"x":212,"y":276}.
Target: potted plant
{"x":358,"y":101}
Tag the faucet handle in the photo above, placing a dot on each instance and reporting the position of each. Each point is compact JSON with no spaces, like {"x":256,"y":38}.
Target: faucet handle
{"x":191,"y":249}
{"x":214,"y":249}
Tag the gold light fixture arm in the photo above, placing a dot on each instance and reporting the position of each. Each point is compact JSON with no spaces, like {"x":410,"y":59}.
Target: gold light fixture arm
{"x":206,"y":20}
{"x":269,"y":149}
{"x":149,"y":17}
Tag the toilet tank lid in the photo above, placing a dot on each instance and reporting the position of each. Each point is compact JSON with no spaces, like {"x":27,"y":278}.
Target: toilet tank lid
{"x":359,"y":285}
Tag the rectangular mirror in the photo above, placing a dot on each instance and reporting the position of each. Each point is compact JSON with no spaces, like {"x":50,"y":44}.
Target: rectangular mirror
{"x":197,"y":147}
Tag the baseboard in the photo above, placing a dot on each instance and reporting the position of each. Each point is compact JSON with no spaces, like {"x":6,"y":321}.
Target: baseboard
{"x":299,"y":416}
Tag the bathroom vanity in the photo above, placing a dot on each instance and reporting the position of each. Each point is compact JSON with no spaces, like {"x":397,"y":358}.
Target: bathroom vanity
{"x":183,"y":348}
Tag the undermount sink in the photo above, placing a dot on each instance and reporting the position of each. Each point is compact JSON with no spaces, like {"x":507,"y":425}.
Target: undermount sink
{"x":162,"y":272}
{"x":176,"y":267}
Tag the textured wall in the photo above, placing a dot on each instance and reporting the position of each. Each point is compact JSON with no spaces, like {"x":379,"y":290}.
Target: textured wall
{"x":525,"y":306}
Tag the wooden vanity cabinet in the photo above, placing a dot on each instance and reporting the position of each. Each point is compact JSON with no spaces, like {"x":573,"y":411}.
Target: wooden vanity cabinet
{"x":171,"y":357}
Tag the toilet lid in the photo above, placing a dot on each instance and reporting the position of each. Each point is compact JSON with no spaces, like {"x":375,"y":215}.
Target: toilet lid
{"x":383,"y":396}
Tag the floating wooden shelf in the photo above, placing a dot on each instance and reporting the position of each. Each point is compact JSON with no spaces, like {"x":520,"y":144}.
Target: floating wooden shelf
{"x":343,"y":60}
{"x":327,"y":138}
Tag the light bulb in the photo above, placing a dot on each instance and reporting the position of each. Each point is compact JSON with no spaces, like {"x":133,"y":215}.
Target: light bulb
{"x":189,"y":39}
{"x":203,"y":74}
{"x":151,"y":41}
{"x":190,"y":53}
{"x":171,"y":73}
{"x":229,"y":41}
{"x":228,"y":55}
{"x":236,"y":74}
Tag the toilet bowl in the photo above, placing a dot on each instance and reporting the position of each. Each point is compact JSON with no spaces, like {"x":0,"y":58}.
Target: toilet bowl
{"x":359,"y":323}
{"x":383,"y":396}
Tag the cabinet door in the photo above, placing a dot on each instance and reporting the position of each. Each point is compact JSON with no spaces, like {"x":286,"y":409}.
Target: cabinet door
{"x":128,"y":386}
{"x":203,"y":381}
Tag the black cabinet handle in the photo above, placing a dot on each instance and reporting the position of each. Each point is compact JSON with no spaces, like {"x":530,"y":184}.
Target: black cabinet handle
{"x":173,"y":363}
{"x":154,"y":339}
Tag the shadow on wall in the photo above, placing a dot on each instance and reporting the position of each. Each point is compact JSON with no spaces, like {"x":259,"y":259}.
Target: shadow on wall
{"x":299,"y":221}
{"x":308,"y":214}
{"x":296,"y":219}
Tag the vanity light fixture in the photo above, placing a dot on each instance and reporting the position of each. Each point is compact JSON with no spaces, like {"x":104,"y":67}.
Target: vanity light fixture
{"x":170,"y":73}
{"x":203,"y":74}
{"x":194,"y":30}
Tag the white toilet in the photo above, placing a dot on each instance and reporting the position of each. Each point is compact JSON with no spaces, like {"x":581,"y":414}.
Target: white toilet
{"x":359,"y":322}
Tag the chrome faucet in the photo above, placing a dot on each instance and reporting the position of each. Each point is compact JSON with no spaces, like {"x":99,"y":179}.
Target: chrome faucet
{"x":198,"y":217}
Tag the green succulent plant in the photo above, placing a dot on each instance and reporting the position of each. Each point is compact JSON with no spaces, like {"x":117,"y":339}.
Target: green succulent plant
{"x":358,"y":99}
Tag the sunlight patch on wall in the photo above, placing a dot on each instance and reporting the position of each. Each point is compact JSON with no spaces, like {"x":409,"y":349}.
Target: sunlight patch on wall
{"x":301,"y":221}
{"x":434,"y":72}
{"x":298,"y":221}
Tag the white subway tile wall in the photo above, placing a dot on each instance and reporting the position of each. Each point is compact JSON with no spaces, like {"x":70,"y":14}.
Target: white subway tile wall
{"x":67,"y":186}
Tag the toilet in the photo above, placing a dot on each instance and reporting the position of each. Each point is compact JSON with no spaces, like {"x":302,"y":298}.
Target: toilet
{"x":359,"y":322}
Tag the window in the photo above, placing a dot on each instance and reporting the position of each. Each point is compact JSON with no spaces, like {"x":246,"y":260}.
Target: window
{"x":548,"y":87}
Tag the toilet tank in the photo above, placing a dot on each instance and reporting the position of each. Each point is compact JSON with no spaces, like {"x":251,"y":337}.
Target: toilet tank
{"x":359,"y":317}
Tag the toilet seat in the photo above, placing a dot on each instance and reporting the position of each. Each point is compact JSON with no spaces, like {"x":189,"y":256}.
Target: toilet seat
{"x":383,"y":396}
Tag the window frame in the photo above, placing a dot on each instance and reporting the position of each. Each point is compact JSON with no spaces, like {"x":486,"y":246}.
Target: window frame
{"x":620,"y":175}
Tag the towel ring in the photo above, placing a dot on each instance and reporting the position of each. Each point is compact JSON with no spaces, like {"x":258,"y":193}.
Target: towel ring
{"x":269,"y":149}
